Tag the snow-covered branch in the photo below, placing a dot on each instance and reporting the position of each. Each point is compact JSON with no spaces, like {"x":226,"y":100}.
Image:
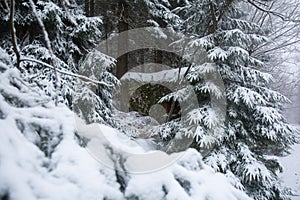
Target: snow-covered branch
{"x":65,"y":72}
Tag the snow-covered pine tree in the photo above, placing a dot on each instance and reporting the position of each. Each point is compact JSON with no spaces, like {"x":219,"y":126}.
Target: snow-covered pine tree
{"x":160,"y":14}
{"x":254,"y":132}
{"x":72,"y":35}
{"x":254,"y":128}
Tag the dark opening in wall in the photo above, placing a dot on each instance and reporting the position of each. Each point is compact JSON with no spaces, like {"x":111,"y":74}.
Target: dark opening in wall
{"x":145,"y":101}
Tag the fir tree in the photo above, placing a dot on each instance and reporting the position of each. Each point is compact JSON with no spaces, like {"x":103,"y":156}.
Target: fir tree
{"x":254,"y":130}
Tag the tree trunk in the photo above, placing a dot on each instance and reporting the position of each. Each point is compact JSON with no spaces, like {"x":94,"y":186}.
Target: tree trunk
{"x":89,"y":8}
{"x":122,"y":60}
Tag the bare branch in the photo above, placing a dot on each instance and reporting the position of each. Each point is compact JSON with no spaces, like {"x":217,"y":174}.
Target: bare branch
{"x":279,"y":46}
{"x":4,"y":5}
{"x":13,"y":32}
{"x":283,"y":17}
{"x":65,"y":72}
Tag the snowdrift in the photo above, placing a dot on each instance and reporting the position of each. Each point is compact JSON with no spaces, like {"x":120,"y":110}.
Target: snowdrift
{"x":45,"y":153}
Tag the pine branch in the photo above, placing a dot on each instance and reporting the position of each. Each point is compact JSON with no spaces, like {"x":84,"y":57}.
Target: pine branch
{"x":13,"y":32}
{"x":65,"y":72}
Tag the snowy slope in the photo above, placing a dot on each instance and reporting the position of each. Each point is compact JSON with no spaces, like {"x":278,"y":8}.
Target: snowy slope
{"x":291,"y":171}
{"x":42,"y":156}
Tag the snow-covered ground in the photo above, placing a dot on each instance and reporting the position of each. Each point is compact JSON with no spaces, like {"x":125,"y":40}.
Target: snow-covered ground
{"x":42,"y":156}
{"x":291,"y":170}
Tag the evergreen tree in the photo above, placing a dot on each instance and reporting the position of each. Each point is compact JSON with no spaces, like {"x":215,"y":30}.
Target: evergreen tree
{"x":72,"y":35}
{"x":254,"y":130}
{"x":242,"y":146}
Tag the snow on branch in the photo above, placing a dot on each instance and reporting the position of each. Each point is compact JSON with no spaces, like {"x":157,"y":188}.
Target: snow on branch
{"x":65,"y":72}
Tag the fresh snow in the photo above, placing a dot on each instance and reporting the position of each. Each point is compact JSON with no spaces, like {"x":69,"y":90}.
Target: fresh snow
{"x":291,"y":171}
{"x":166,"y":75}
{"x":73,"y":173}
{"x":42,"y":158}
